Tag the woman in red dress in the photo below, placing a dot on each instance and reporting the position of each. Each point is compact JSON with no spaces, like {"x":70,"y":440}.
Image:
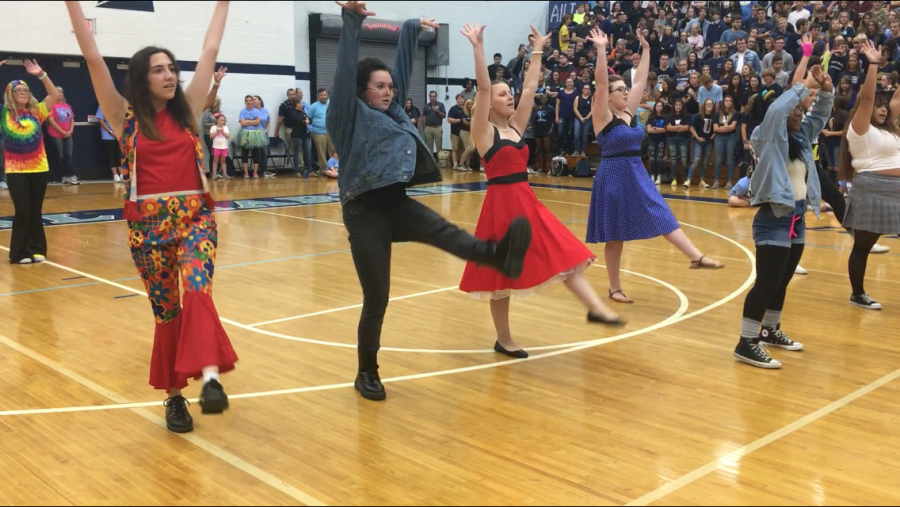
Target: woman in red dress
{"x":556,"y":254}
{"x":172,"y":231}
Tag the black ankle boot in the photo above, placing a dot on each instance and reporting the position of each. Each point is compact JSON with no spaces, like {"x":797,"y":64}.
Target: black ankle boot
{"x":508,"y":255}
{"x":368,"y":383}
{"x":178,"y":420}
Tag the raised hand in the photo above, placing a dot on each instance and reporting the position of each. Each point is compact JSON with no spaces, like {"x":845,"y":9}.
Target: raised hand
{"x":871,"y":53}
{"x":222,"y":72}
{"x":598,"y":38}
{"x":475,"y":34}
{"x":539,"y":39}
{"x":356,"y":7}
{"x":33,"y":68}
{"x":429,"y":23}
{"x":825,"y":82}
{"x":645,"y":45}
{"x":812,"y":79}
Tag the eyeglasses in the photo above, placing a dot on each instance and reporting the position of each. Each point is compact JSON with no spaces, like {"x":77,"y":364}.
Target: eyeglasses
{"x":21,"y":90}
{"x":623,"y":89}
{"x":384,"y":89}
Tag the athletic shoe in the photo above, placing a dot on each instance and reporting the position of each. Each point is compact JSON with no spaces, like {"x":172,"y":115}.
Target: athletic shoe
{"x":715,"y":185}
{"x":3,"y":186}
{"x":880,"y":249}
{"x":800,"y":270}
{"x":38,"y":258}
{"x":213,"y":399}
{"x":752,"y":352}
{"x":117,"y":179}
{"x":26,"y":260}
{"x":729,"y":185}
{"x":775,"y":337}
{"x":865,"y":301}
{"x":178,"y":420}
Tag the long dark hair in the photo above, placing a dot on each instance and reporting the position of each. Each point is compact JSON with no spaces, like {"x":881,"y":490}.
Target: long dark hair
{"x":137,"y":93}
{"x":364,"y":71}
{"x":845,"y":166}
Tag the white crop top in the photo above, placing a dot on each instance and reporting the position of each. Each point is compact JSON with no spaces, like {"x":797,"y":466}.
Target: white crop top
{"x":876,"y":150}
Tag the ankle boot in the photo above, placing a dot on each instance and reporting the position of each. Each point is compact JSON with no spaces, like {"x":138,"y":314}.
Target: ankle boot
{"x":368,"y":383}
{"x":508,"y":255}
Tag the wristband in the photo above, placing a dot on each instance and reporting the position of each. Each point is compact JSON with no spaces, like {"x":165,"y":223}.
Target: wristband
{"x":217,"y":84}
{"x":43,"y":76}
{"x":807,"y":49}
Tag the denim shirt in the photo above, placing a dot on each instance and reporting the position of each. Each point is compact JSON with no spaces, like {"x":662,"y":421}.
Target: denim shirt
{"x":376,"y":148}
{"x":771,"y":182}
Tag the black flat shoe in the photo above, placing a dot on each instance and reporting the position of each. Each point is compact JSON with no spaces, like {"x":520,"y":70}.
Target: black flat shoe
{"x":213,"y":399}
{"x":598,"y":319}
{"x":518,"y":354}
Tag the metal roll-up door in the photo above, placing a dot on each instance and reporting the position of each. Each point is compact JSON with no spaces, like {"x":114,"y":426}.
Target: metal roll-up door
{"x":326,"y":65}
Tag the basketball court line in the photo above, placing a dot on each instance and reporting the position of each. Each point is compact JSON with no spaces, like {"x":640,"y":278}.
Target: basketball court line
{"x":735,"y":456}
{"x":207,"y":446}
{"x":293,"y":216}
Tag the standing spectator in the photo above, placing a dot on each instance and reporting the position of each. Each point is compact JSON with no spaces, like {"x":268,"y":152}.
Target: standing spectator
{"x":745,"y":56}
{"x":715,"y":30}
{"x":62,"y":123}
{"x":732,"y":36}
{"x":208,"y":120}
{"x":498,"y":64}
{"x":434,"y":122}
{"x":469,"y":90}
{"x":664,"y":68}
{"x":283,"y":108}
{"x":297,"y":121}
{"x":516,"y":63}
{"x":414,"y":114}
{"x":317,"y":114}
{"x":726,"y":141}
{"x":583,"y":112}
{"x":465,"y":132}
{"x":542,"y":119}
{"x":702,"y":131}
{"x":251,"y":137}
{"x":455,"y":118}
{"x":565,"y":116}
{"x":709,"y":91}
{"x":112,"y":146}
{"x":787,"y":61}
{"x":781,"y":77}
{"x":264,"y":123}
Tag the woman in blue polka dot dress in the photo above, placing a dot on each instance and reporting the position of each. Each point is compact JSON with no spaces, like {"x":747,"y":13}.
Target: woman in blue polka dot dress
{"x":625,"y":204}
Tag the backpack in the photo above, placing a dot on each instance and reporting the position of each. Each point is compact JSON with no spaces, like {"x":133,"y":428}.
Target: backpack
{"x":582,"y":169}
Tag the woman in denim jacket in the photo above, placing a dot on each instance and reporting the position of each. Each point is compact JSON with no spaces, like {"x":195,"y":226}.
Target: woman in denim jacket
{"x":382,"y":154}
{"x":784,"y":181}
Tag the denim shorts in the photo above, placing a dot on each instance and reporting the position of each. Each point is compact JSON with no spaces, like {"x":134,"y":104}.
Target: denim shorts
{"x":785,"y":231}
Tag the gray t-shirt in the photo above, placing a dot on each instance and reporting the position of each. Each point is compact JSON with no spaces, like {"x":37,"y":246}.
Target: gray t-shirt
{"x":432,"y":119}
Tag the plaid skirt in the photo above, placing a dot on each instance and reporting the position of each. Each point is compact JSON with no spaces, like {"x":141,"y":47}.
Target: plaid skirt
{"x":873,"y":204}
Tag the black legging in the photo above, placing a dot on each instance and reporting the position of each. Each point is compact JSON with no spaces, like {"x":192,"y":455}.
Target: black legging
{"x":863,"y":241}
{"x":775,"y":267}
{"x":252,"y":153}
{"x":27,"y":191}
{"x":831,"y":194}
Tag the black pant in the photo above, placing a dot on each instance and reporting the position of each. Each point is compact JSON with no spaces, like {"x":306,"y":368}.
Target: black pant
{"x":373,"y":227}
{"x":863,"y":241}
{"x":27,"y":192}
{"x":775,"y":267}
{"x":831,"y":194}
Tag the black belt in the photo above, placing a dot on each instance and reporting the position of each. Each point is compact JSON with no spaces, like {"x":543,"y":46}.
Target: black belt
{"x":509,"y":179}
{"x":630,"y":153}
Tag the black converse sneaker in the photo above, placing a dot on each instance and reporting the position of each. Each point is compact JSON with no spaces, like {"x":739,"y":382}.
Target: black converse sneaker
{"x":865,"y":301}
{"x":178,"y":420}
{"x":752,"y":352}
{"x":776,"y":338}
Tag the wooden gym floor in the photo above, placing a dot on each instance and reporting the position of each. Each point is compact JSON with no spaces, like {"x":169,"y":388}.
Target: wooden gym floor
{"x":658,"y":413}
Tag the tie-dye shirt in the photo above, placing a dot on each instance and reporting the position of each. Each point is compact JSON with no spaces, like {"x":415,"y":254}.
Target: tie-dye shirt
{"x":23,"y":140}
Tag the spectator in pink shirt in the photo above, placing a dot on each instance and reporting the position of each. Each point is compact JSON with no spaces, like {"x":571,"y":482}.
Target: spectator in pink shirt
{"x":62,"y":122}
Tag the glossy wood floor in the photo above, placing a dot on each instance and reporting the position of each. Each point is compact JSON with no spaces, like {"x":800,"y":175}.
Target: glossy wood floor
{"x":657,"y":413}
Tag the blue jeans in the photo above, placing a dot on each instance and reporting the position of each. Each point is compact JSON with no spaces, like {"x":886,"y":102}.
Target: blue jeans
{"x":725,"y":145}
{"x":565,"y":129}
{"x":64,"y":155}
{"x":263,"y":159}
{"x":782,"y":232}
{"x":657,"y":151}
{"x":582,"y":134}
{"x":832,"y":154}
{"x":301,"y":148}
{"x":678,"y":150}
{"x":700,"y":153}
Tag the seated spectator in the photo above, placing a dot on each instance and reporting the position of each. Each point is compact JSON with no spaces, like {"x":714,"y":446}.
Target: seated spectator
{"x":333,"y":166}
{"x":740,"y":194}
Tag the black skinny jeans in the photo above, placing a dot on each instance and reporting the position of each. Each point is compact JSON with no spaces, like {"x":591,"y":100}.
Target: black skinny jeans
{"x":27,"y":192}
{"x":775,"y":267}
{"x":831,"y":194}
{"x":375,"y":222}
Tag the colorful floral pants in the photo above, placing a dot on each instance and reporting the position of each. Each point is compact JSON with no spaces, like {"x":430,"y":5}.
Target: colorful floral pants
{"x":174,"y":249}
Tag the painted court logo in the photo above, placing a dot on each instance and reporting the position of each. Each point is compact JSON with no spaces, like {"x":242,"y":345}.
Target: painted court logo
{"x":127,"y":5}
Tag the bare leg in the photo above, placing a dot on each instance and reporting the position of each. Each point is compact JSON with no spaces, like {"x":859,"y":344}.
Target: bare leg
{"x":613,"y":255}
{"x":500,"y":313}
{"x":580,"y":286}
{"x":681,"y":241}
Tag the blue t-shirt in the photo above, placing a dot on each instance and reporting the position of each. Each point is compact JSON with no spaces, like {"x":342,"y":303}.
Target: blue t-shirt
{"x":333,"y":164}
{"x":106,"y":136}
{"x":264,"y":118}
{"x":742,"y":188}
{"x":317,"y":114}
{"x":643,"y":114}
{"x":250,"y":114}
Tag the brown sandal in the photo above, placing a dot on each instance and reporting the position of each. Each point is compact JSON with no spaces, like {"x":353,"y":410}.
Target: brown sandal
{"x":613,"y":293}
{"x":698,"y":264}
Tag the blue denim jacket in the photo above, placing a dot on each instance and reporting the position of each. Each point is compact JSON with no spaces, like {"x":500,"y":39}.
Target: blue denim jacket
{"x":376,"y":148}
{"x":771,"y":182}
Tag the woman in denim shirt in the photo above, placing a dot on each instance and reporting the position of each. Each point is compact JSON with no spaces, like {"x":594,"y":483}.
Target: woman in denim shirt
{"x":784,"y":180}
{"x":382,"y":154}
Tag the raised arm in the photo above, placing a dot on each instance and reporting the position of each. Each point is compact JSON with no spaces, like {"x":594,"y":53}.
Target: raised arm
{"x":865,"y":99}
{"x":481,"y":129}
{"x":198,"y":89}
{"x":600,"y":106}
{"x":35,"y":70}
{"x":406,"y":56}
{"x":895,"y":104}
{"x":800,"y":71}
{"x":519,"y":119}
{"x":342,"y":107}
{"x":111,"y":102}
{"x":214,"y":91}
{"x":774,"y":124}
{"x":814,"y":122}
{"x":640,"y":78}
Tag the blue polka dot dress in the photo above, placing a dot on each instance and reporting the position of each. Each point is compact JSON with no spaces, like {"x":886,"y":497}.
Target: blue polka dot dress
{"x":625,"y":204}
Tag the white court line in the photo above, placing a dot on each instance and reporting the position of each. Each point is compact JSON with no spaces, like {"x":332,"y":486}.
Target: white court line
{"x":664,"y":196}
{"x":298,"y":218}
{"x":216,"y":451}
{"x":729,"y":459}
{"x":324,"y":312}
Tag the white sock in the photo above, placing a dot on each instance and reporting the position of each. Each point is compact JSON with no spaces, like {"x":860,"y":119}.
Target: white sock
{"x":210,"y":375}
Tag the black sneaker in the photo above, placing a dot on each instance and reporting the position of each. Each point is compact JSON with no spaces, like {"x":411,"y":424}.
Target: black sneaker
{"x":369,"y":386}
{"x":213,"y":399}
{"x":864,"y":301}
{"x":178,"y":420}
{"x":514,"y":246}
{"x":776,"y":338}
{"x":754,"y":353}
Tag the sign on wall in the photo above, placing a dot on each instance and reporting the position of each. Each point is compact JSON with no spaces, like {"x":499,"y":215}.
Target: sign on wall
{"x":558,"y":9}
{"x":127,"y":6}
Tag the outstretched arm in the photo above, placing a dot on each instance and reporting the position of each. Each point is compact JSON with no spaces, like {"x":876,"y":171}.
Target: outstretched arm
{"x":814,"y":122}
{"x":481,"y":129}
{"x":214,"y":91}
{"x":406,"y":55}
{"x":111,"y":102}
{"x":342,"y":107}
{"x":865,"y":99}
{"x":600,"y":106}
{"x":519,"y":119}
{"x":52,"y":93}
{"x":198,"y":89}
{"x":640,"y":78}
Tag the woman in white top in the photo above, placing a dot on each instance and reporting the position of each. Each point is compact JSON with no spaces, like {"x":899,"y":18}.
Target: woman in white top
{"x":870,"y":159}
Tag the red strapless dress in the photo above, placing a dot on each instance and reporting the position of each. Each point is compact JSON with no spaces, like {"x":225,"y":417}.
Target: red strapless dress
{"x":555,"y":252}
